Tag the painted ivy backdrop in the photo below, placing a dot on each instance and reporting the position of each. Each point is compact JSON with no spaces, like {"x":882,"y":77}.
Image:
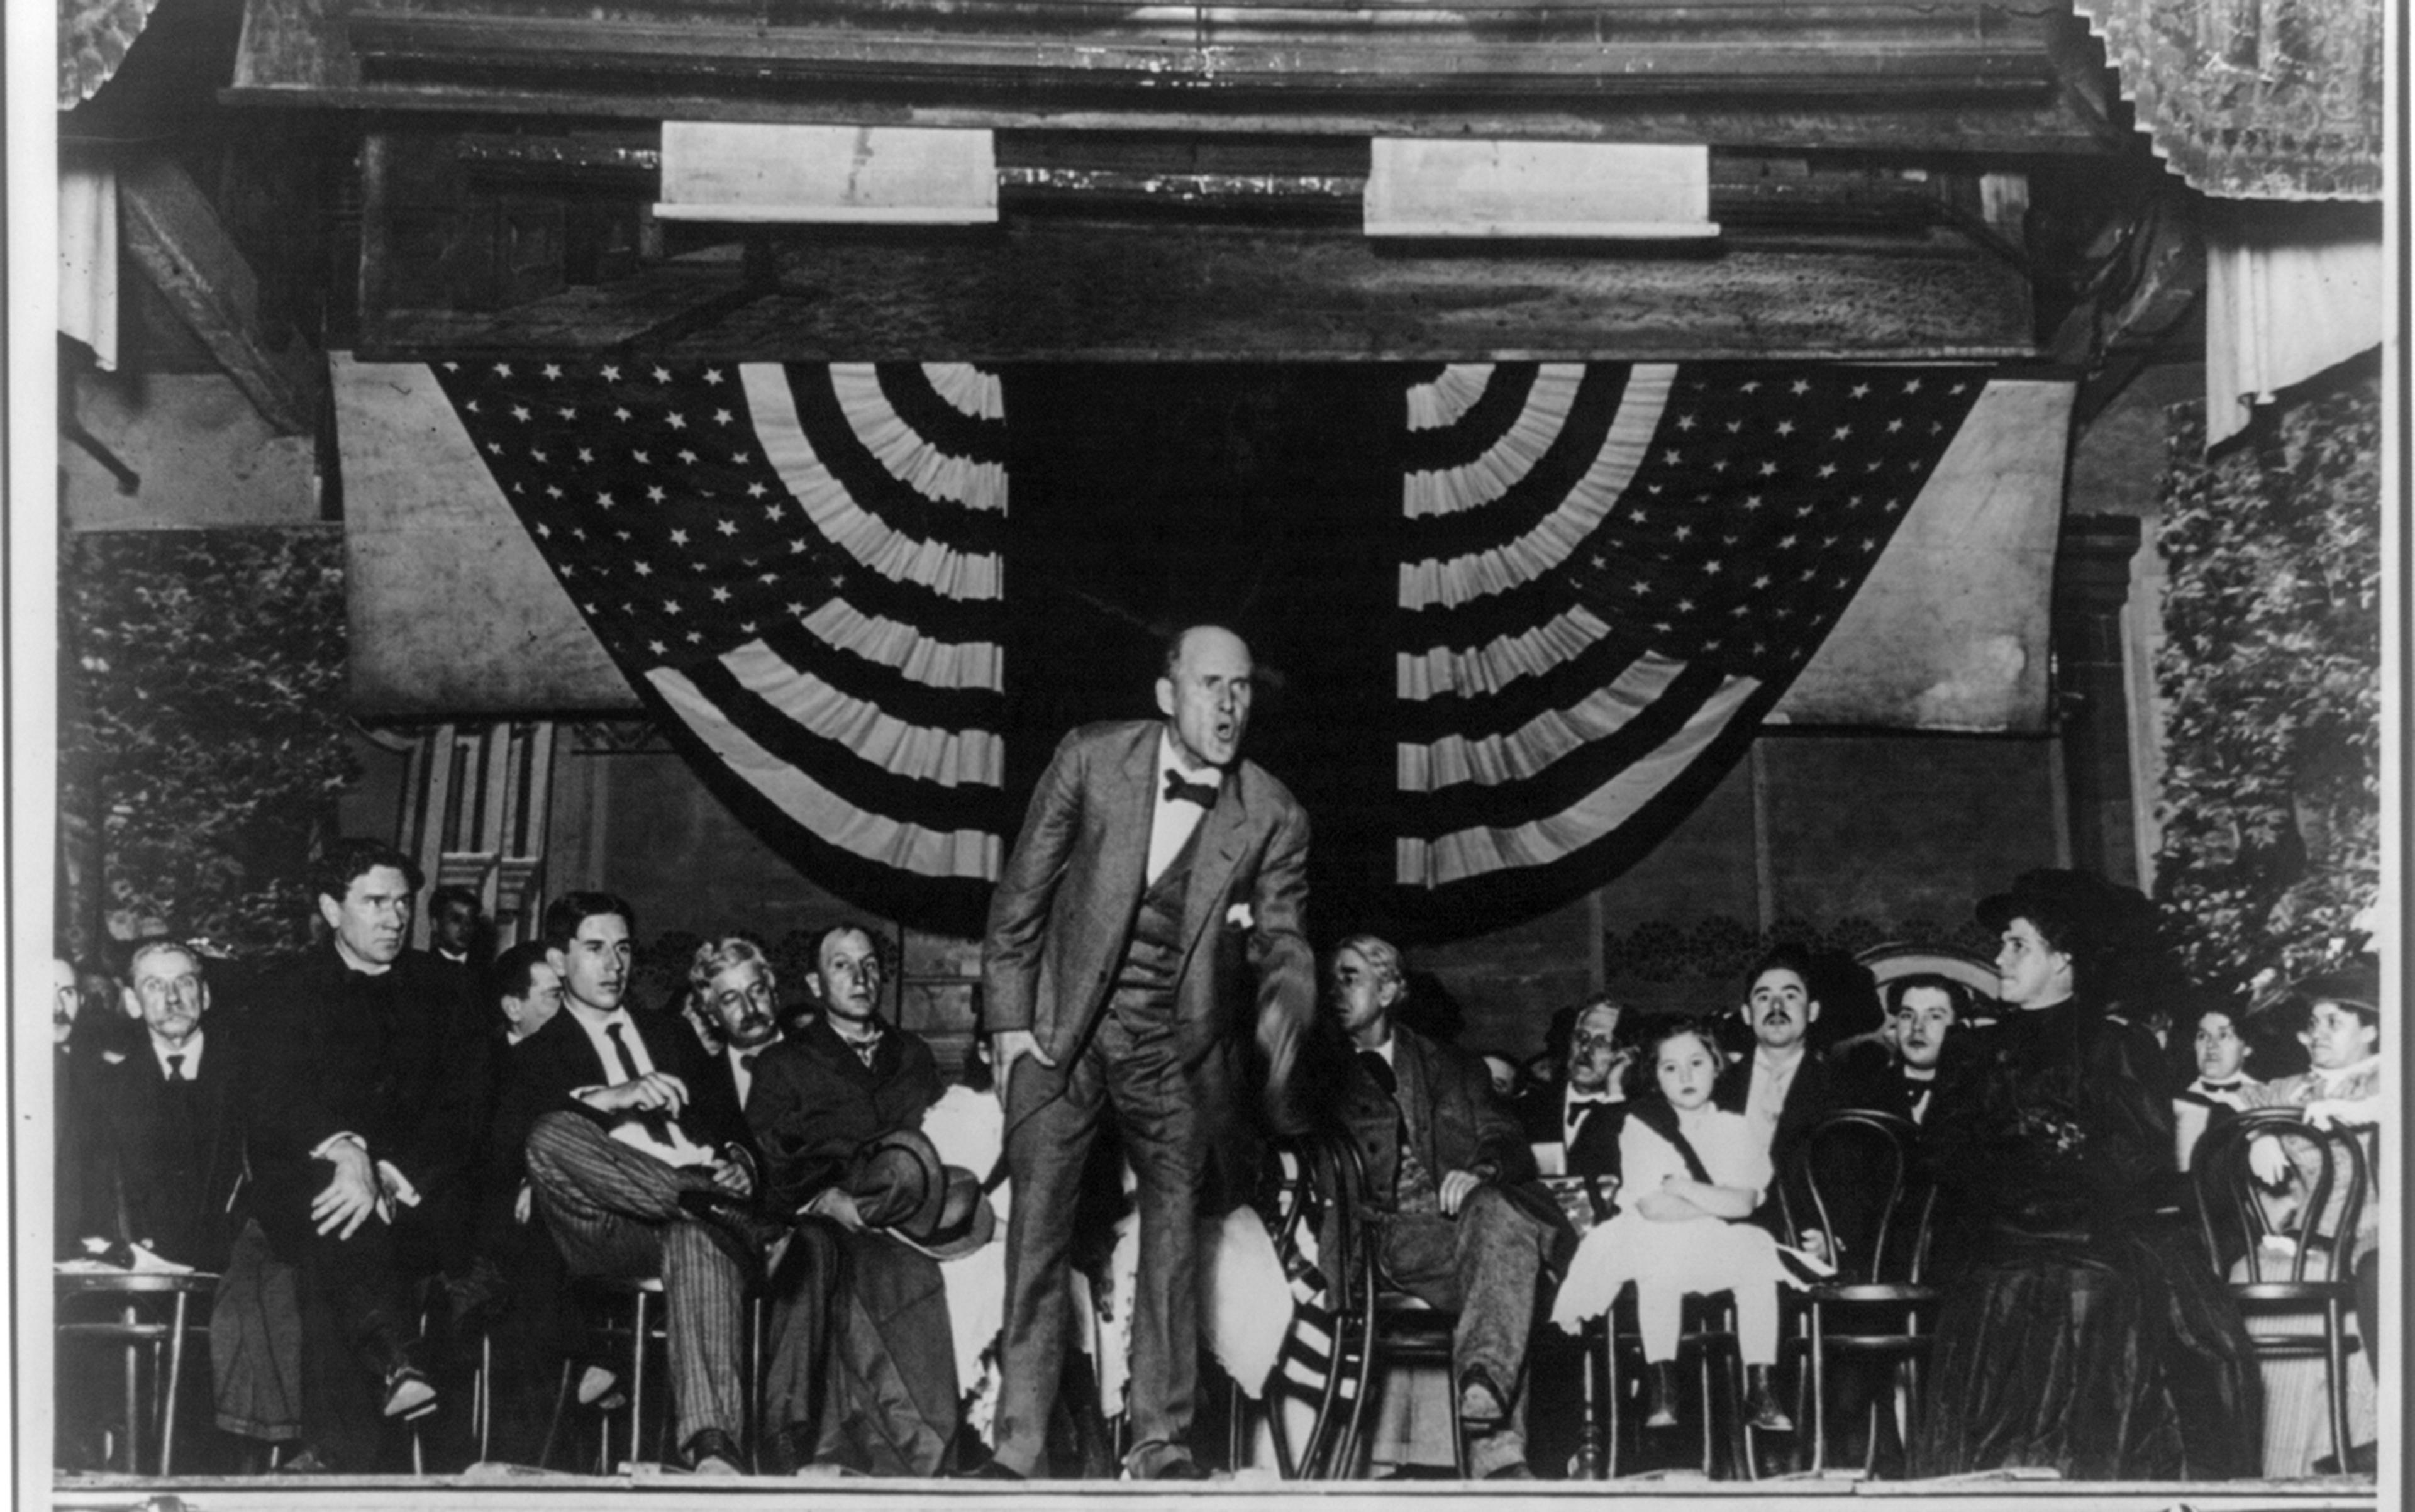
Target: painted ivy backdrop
{"x":2271,"y":677}
{"x":203,"y":738}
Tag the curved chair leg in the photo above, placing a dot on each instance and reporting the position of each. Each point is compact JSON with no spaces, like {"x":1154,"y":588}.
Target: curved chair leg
{"x":2335,"y":1376}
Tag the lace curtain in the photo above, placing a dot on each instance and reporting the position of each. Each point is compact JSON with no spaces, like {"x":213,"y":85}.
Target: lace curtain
{"x":2255,"y":99}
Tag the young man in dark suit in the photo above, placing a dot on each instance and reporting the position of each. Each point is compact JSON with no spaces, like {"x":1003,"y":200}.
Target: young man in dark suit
{"x":634,"y":1174}
{"x":1156,"y":873}
{"x":368,"y":1078}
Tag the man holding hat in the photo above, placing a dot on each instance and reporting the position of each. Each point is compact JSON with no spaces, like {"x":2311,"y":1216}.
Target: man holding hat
{"x":866,"y":1376}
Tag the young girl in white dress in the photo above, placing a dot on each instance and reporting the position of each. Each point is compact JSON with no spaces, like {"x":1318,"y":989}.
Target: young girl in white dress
{"x":1690,"y":1175}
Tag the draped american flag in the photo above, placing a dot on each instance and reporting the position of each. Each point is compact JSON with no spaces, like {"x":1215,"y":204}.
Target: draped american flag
{"x":799,"y":568}
{"x":1609,"y":574}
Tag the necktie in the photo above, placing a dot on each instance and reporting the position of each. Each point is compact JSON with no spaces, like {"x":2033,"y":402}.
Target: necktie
{"x":1203,"y":794}
{"x":175,"y":1068}
{"x":747,"y":1059}
{"x":620,"y":1052}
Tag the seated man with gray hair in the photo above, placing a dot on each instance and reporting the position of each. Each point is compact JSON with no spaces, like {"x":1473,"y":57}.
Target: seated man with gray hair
{"x":1457,"y":1218}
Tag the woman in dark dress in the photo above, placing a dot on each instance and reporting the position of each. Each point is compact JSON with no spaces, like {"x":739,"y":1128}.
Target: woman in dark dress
{"x":2083,"y":1329}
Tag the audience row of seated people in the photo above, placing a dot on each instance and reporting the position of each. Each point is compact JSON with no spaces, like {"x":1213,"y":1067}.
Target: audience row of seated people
{"x":411,"y":1135}
{"x":379,"y":1139}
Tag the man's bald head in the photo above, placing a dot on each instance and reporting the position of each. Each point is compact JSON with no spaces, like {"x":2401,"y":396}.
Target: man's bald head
{"x":1205,"y":695}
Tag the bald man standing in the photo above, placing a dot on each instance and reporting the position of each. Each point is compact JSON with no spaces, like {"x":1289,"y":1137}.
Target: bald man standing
{"x":1156,"y":874}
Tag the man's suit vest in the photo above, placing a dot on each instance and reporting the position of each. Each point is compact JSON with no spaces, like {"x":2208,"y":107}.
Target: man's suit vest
{"x":1152,"y":962}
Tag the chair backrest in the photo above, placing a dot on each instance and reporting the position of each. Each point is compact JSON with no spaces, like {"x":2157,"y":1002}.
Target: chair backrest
{"x":1869,"y":1197}
{"x":2330,"y":1183}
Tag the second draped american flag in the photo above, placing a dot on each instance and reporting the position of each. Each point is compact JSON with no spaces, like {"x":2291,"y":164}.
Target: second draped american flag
{"x":1607,"y":575}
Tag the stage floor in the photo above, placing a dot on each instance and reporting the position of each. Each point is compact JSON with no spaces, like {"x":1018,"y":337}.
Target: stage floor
{"x":651,"y":1489}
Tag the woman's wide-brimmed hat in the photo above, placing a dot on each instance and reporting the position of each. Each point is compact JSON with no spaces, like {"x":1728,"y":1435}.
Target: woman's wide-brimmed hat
{"x":2084,"y":914}
{"x":2356,"y":984}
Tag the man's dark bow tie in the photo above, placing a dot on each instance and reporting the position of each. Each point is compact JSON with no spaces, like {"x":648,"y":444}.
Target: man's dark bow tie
{"x":1203,"y":794}
{"x":1576,"y":1098}
{"x":2231,"y":1085}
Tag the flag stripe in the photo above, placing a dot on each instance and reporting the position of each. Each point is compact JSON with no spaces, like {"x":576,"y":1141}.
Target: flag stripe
{"x":866,"y":398}
{"x":912,"y":393}
{"x":845,"y":517}
{"x":1439,"y":499}
{"x":1501,"y":400}
{"x":1557,"y":685}
{"x":911,"y":653}
{"x":1525,"y":752}
{"x":949,"y":758}
{"x":967,"y":388}
{"x":1446,"y":398}
{"x":1472,"y":851}
{"x":915,"y":703}
{"x":1439,"y":672}
{"x":837,"y":766}
{"x":850,"y":827}
{"x":1458,"y":579}
{"x":1561,"y":778}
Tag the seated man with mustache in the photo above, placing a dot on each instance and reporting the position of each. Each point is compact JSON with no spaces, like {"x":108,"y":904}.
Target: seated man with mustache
{"x":1784,"y":1086}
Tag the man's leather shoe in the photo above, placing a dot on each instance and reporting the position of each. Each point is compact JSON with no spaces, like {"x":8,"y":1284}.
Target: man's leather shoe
{"x":408,"y":1394}
{"x":1482,"y":1405}
{"x":1184,"y":1468}
{"x":1514,"y":1470}
{"x":709,"y":1451}
{"x":989,"y":1470}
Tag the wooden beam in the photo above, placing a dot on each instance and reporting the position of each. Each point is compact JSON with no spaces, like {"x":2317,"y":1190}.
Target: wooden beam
{"x":1952,"y":76}
{"x":1058,"y":288}
{"x":173,"y":235}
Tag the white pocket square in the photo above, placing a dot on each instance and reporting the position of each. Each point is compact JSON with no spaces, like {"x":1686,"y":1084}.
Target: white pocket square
{"x":1239,"y":917}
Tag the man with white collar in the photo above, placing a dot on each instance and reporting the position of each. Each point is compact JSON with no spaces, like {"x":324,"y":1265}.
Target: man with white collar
{"x":1924,"y":1007}
{"x":370,"y":1077}
{"x":1156,"y":873}
{"x":1783,"y":1085}
{"x":636,"y":1175}
{"x":454,"y":920}
{"x":170,"y":1137}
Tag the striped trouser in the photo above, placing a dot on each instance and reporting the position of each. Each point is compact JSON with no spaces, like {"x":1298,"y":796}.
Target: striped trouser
{"x":615,"y":1211}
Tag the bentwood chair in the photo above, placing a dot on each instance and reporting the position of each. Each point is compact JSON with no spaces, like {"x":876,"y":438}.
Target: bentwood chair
{"x":139,"y":1299}
{"x":1320,"y":1365}
{"x":1872,"y":1209}
{"x":2295,"y":1258}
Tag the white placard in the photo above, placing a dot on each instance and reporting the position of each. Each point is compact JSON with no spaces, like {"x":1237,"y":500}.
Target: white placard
{"x":1591,"y":190}
{"x":829,"y":175}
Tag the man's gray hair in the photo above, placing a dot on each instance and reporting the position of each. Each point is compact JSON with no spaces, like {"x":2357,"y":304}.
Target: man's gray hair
{"x":1382,"y":957}
{"x":161,"y":945}
{"x":715,"y":956}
